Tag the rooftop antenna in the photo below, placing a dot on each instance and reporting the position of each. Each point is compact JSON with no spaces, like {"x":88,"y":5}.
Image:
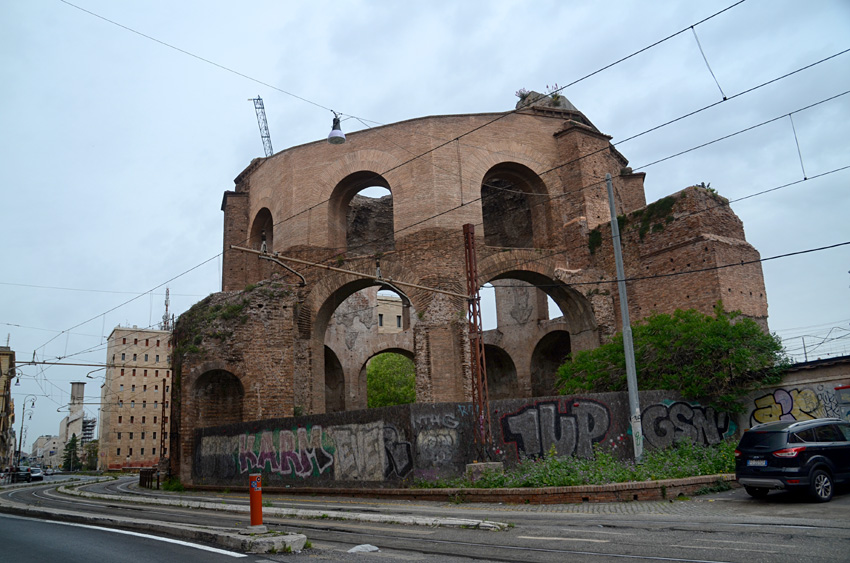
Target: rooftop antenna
{"x":166,"y":320}
{"x":264,"y":126}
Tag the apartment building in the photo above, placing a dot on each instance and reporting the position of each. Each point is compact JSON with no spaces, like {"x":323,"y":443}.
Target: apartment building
{"x":135,"y":399}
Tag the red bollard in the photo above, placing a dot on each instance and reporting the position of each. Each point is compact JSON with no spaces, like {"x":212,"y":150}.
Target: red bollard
{"x":256,"y":496}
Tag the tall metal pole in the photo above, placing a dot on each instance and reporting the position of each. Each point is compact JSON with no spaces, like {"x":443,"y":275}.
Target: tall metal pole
{"x":21,"y":436}
{"x":628,"y":344}
{"x":480,"y":397}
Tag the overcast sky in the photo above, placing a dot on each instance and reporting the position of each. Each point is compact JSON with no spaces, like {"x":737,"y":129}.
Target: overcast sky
{"x":117,"y":146}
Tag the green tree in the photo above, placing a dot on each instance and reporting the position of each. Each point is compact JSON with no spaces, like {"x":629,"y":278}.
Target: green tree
{"x":715,"y":358}
{"x":91,"y":455}
{"x":390,"y":380}
{"x":70,"y":459}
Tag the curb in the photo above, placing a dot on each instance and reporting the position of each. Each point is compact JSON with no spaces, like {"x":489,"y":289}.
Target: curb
{"x":302,"y":513}
{"x":614,"y":492}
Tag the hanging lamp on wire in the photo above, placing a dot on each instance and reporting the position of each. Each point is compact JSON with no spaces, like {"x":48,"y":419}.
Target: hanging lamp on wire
{"x":336,"y":137}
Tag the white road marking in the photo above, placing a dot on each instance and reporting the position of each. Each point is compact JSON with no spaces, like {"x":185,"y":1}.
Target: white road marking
{"x":137,"y":534}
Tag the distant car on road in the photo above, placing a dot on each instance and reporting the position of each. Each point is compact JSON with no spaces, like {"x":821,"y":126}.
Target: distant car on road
{"x":48,"y":471}
{"x":809,"y":455}
{"x":36,"y":474}
{"x":22,"y":474}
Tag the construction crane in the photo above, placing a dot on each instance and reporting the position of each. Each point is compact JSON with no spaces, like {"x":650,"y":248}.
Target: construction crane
{"x":264,"y":126}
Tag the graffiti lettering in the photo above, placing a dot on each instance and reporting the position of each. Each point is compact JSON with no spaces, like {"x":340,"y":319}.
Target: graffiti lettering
{"x":447,"y":420}
{"x":535,"y":429}
{"x":663,"y":425}
{"x":399,"y":459}
{"x":303,"y":458}
{"x":360,"y":453}
{"x":794,"y":404}
{"x":436,"y":446}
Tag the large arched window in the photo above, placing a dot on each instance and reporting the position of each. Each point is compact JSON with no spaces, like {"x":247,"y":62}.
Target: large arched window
{"x":549,"y":354}
{"x":514,"y":207}
{"x":501,"y":373}
{"x":361,"y":214}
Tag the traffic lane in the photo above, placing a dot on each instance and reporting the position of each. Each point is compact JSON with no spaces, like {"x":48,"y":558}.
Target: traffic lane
{"x":29,"y":539}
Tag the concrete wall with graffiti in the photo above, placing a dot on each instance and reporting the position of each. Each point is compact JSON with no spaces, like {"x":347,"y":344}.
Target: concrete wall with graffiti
{"x":396,"y":445}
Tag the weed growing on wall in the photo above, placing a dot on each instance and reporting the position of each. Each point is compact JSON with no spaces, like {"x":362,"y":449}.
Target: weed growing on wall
{"x":683,"y":459}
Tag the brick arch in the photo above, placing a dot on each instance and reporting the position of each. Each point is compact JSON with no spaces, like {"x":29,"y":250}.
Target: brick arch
{"x":511,"y":188}
{"x":409,"y":354}
{"x":262,"y":225}
{"x":217,"y":396}
{"x":338,"y":206}
{"x":501,"y":373}
{"x":527,"y":266}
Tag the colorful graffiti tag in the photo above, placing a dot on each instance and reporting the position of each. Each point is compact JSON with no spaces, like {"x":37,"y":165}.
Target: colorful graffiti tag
{"x":795,"y":404}
{"x":665,"y":424}
{"x":535,"y":429}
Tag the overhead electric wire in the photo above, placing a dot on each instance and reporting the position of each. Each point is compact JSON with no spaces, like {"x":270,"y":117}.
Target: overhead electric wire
{"x":406,"y":162}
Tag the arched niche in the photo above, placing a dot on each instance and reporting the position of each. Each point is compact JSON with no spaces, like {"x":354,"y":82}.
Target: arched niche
{"x":262,"y":230}
{"x":549,"y":354}
{"x":501,"y":373}
{"x":514,"y":207}
{"x":359,"y":222}
{"x":218,"y":396}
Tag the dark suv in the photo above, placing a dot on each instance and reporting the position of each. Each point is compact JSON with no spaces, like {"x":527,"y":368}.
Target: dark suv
{"x":810,"y":455}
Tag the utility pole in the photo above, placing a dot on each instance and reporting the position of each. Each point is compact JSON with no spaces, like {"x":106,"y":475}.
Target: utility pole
{"x":264,"y":126}
{"x":480,"y":396}
{"x":628,"y":344}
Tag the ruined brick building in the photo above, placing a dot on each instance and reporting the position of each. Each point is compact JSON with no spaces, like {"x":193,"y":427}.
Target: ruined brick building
{"x":531,"y":181}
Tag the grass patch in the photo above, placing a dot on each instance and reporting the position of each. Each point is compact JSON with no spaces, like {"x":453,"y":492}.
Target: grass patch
{"x":174,"y":485}
{"x":684,"y":459}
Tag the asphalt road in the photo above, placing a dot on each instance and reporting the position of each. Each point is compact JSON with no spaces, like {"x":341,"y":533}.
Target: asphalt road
{"x":720,"y":527}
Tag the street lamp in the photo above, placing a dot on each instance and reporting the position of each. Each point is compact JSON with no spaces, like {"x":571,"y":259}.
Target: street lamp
{"x":336,"y":137}
{"x":23,"y":415}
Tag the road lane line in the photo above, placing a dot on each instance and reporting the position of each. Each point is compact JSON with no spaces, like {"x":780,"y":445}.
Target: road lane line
{"x":136,"y":534}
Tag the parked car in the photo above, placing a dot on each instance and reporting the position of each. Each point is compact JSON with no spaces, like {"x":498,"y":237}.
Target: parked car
{"x":810,"y":455}
{"x":48,"y":471}
{"x":21,"y":474}
{"x":36,"y":474}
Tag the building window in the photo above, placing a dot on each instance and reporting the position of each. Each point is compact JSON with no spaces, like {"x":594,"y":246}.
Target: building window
{"x":143,"y":451}
{"x":165,"y":434}
{"x":131,"y":435}
{"x":136,"y":341}
{"x":133,"y":388}
{"x":157,"y":357}
{"x":134,"y":357}
{"x":147,"y":342}
{"x":132,"y":404}
{"x":122,"y":371}
{"x":119,"y":435}
{"x":123,"y":356}
{"x":380,"y":319}
{"x":113,"y":358}
{"x":146,"y":373}
{"x":154,"y":420}
{"x":398,"y":321}
{"x":144,"y":404}
{"x":155,"y":405}
{"x":134,"y":372}
{"x":130,"y":452}
{"x":118,"y":451}
{"x":120,"y":403}
{"x":132,"y":418}
{"x":157,"y":343}
{"x":143,"y":420}
{"x":146,"y":357}
{"x":143,"y":434}
{"x":121,"y":387}
{"x":153,"y":451}
{"x":144,"y":387}
{"x":123,"y":341}
{"x":165,"y":420}
{"x":166,"y":388}
{"x":154,"y":435}
{"x":156,"y":387}
{"x":119,"y":419}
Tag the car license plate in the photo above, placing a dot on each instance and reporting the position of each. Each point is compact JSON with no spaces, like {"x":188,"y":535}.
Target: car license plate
{"x":757,"y":463}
